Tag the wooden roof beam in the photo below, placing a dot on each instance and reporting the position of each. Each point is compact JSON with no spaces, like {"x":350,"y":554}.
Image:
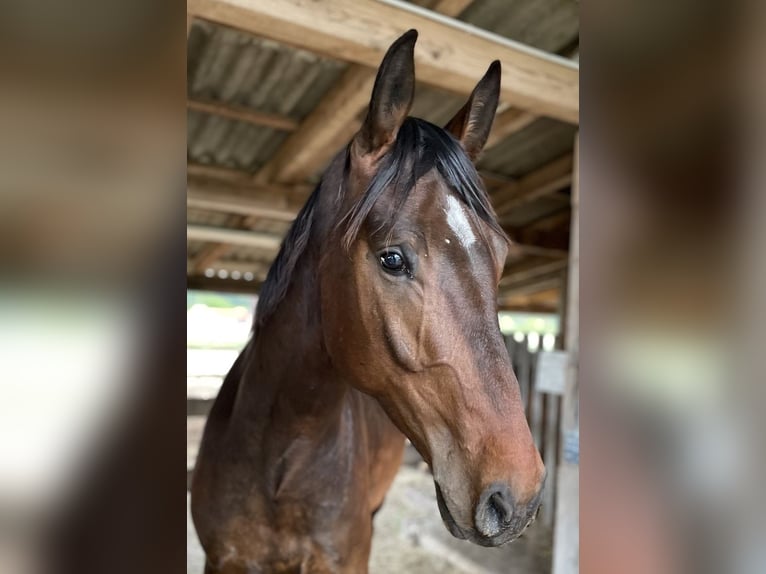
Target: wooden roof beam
{"x":207,"y":256}
{"x":274,"y":207}
{"x":329,"y":126}
{"x":450,"y":55}
{"x":539,"y":250}
{"x":241,"y":182}
{"x":529,"y":286}
{"x":544,"y":301}
{"x":549,"y":222}
{"x":531,"y":270}
{"x":508,"y":122}
{"x":546,"y":180}
{"x":539,"y":241}
{"x":245,"y":238}
{"x":242,"y":114}
{"x":333,"y":122}
{"x":226,"y":174}
{"x":528,"y":305}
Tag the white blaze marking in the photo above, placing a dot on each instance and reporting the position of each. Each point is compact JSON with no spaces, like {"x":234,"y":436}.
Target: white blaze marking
{"x":458,"y":221}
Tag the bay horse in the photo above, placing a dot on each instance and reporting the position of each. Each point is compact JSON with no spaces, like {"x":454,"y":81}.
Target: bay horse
{"x":377,"y":321}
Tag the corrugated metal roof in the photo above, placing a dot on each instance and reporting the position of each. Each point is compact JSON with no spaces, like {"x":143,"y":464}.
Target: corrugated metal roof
{"x":550,"y":25}
{"x":219,"y":141}
{"x":233,"y":67}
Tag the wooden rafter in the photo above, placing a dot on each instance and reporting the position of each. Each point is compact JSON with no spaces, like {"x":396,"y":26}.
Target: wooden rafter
{"x":229,"y":175}
{"x":535,"y":285}
{"x":270,"y":206}
{"x":450,"y":55}
{"x":243,"y":182}
{"x":547,"y":241}
{"x":544,"y":181}
{"x":266,"y":241}
{"x":528,"y":305}
{"x":550,"y":221}
{"x":539,"y":250}
{"x":207,"y":256}
{"x":544,"y":301}
{"x":330,"y":125}
{"x":242,"y":114}
{"x":528,"y":270}
{"x":333,"y":121}
{"x":508,"y":122}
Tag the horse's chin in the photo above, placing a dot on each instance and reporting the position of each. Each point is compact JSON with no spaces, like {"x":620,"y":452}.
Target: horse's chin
{"x":468,"y":534}
{"x":446,"y":515}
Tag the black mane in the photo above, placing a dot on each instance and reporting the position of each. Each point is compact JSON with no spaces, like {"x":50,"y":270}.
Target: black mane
{"x":419,"y":147}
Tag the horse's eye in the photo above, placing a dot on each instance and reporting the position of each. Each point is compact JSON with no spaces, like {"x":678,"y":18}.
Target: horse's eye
{"x":392,"y":262}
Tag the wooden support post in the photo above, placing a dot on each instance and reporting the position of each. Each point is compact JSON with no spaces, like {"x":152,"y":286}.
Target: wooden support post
{"x":566,"y":538}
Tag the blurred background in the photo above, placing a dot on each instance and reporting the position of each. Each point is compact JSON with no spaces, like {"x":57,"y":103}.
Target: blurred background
{"x":106,"y":107}
{"x":672,"y":287}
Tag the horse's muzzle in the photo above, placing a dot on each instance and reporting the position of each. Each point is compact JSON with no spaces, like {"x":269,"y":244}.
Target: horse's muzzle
{"x":498,"y":519}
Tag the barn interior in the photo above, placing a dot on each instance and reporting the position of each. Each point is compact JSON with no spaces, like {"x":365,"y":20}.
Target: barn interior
{"x":267,"y":112}
{"x":276,"y":87}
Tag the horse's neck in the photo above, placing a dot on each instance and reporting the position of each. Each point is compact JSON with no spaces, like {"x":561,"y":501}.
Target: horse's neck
{"x":288,"y":384}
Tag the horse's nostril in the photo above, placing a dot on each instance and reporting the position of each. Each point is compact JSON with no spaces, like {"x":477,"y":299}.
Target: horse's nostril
{"x":501,"y":507}
{"x":494,"y":512}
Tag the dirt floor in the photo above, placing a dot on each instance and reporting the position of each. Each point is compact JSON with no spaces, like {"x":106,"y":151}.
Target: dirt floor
{"x":409,"y":536}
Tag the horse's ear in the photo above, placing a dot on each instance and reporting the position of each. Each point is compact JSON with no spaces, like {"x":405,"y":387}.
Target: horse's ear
{"x":391,"y":97}
{"x":472,"y":124}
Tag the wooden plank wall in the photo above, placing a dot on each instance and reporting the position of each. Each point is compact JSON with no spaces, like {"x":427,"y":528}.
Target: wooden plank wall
{"x":543,"y":412}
